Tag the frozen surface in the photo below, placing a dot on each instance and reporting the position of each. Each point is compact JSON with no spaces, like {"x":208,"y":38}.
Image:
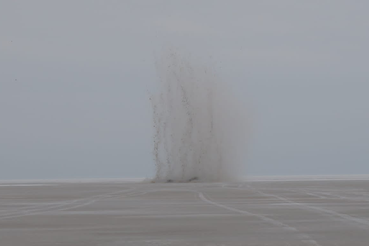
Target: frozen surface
{"x":310,"y":212}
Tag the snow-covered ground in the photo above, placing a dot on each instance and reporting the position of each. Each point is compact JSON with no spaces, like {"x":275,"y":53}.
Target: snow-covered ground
{"x":261,"y":211}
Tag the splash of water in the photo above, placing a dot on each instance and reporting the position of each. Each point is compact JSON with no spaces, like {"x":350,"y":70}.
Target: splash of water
{"x":197,"y":129}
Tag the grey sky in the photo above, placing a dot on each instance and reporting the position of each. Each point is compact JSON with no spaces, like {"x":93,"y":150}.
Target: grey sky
{"x":74,"y":77}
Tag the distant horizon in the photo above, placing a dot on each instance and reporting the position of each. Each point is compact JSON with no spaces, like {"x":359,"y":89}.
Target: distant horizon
{"x":246,"y":178}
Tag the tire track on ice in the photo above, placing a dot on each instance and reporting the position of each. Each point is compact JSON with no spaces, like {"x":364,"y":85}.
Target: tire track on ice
{"x":62,"y":206}
{"x":304,"y":237}
{"x":364,"y":224}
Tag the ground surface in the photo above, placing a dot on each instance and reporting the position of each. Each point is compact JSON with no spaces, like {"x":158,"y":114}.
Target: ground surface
{"x":253,"y":213}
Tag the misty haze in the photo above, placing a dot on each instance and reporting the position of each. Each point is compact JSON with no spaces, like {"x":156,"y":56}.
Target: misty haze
{"x":184,"y":123}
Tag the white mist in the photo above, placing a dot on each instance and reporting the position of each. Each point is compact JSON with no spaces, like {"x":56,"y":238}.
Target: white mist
{"x":199,"y":130}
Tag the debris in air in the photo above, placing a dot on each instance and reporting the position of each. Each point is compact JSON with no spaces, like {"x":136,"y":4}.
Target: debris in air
{"x":198,"y":130}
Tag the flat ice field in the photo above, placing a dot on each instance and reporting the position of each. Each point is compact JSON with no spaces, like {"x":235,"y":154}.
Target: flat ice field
{"x":269,"y":212}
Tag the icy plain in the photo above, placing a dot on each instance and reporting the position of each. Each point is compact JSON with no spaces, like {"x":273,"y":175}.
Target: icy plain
{"x":331,"y":212}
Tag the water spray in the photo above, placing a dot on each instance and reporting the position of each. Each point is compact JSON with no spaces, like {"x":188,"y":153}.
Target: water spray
{"x":198,"y":129}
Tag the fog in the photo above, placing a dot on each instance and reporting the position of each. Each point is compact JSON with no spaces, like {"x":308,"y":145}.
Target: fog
{"x":76,"y":78}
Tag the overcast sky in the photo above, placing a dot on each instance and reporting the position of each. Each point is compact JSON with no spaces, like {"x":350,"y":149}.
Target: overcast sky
{"x":74,"y":77}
